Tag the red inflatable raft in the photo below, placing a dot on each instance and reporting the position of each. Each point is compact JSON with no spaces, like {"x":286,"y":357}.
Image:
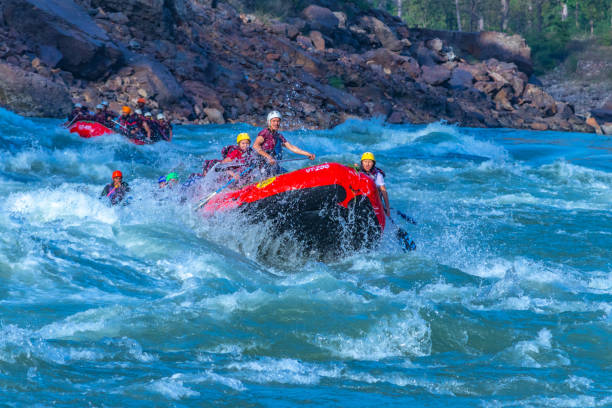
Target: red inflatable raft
{"x":87,"y":129}
{"x":328,"y":208}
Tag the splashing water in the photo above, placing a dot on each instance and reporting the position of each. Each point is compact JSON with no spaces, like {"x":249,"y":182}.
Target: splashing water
{"x":506,"y":302}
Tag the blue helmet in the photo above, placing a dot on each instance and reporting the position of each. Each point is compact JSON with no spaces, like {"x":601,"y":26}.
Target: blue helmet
{"x":161,"y":179}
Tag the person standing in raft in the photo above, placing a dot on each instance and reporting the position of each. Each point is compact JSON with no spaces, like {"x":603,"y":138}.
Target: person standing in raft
{"x":116,"y":190}
{"x":141,"y":104}
{"x":100,"y":115}
{"x":164,"y":127}
{"x":132,"y":125}
{"x":110,"y":115}
{"x":368,"y":167}
{"x":269,"y":144}
{"x":241,"y":154}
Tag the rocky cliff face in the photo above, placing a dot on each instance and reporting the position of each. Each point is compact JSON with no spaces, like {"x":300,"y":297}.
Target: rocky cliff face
{"x":203,"y":64}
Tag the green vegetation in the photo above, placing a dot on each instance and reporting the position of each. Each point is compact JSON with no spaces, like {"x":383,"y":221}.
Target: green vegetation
{"x":551,"y":27}
{"x":336,"y":82}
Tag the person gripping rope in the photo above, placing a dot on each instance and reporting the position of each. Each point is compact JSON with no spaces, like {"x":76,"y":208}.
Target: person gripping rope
{"x":270,"y":142}
{"x":241,"y":153}
{"x":116,"y":190}
{"x":368,"y":167}
{"x":164,"y":127}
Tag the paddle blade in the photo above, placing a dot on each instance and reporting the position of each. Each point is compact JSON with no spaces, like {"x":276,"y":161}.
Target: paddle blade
{"x":404,"y":240}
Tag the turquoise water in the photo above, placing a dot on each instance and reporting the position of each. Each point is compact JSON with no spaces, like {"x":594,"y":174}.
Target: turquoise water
{"x":506,"y":302}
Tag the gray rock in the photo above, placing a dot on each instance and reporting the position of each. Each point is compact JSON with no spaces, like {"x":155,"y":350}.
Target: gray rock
{"x":320,"y":18}
{"x":461,"y":79}
{"x":30,"y":94}
{"x":87,"y":51}
{"x":381,"y":31}
{"x":156,"y":80}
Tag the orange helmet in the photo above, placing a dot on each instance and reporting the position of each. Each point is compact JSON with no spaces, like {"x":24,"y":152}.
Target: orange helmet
{"x":126,"y":109}
{"x":117,"y":173}
{"x":141,"y":100}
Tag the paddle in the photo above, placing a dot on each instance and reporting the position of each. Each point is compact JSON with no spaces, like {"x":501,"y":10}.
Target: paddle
{"x":404,"y":216}
{"x":207,"y":199}
{"x":119,"y":124}
{"x":73,"y":119}
{"x":224,"y":166}
{"x":403,"y":238}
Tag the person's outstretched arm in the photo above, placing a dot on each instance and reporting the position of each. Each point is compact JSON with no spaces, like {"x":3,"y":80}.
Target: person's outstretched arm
{"x":297,"y":150}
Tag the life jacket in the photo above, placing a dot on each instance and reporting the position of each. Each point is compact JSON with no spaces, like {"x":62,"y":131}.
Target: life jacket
{"x":276,"y":150}
{"x":164,"y":129}
{"x":131,"y":125}
{"x":100,"y":117}
{"x":373,"y":172}
{"x":227,"y":150}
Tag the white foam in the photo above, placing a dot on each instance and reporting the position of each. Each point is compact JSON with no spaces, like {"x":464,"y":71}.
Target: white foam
{"x":536,"y":353}
{"x":397,"y":336}
{"x":64,"y":203}
{"x":283,"y":371}
{"x":173,"y":388}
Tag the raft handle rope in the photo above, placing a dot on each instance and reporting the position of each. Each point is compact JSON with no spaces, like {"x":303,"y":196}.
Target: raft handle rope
{"x":207,"y":199}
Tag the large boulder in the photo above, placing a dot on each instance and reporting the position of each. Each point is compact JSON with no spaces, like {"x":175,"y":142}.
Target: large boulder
{"x":320,"y":18}
{"x":461,"y":79}
{"x":155,"y":79}
{"x":30,"y":94}
{"x":381,"y":32}
{"x":337,"y":97}
{"x":65,"y":35}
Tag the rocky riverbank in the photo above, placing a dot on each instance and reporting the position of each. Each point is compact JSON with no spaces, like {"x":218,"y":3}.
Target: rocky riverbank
{"x":204,"y":62}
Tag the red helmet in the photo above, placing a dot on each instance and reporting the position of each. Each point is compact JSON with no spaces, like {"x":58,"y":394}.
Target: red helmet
{"x":117,"y":173}
{"x":141,"y":100}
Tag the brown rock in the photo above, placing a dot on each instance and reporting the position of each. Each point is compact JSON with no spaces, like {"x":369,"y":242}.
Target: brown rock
{"x":273,"y":57}
{"x":540,"y":100}
{"x":435,"y":75}
{"x":592,"y":122}
{"x":539,"y":126}
{"x":501,"y":99}
{"x":317,"y":40}
{"x":305,"y":42}
{"x":214,"y":116}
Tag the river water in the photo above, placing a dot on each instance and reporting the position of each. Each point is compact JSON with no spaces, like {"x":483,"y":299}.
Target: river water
{"x":507,"y":300}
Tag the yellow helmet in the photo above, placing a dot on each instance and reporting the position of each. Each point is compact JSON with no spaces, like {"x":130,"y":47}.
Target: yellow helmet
{"x":368,"y":156}
{"x":243,"y":136}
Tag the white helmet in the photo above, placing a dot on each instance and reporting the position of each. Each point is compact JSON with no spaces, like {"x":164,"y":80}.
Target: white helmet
{"x":272,"y":115}
{"x":138,"y":112}
{"x":104,"y":103}
{"x":99,"y":106}
{"x":78,"y":105}
{"x":160,"y":116}
{"x":147,"y":114}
